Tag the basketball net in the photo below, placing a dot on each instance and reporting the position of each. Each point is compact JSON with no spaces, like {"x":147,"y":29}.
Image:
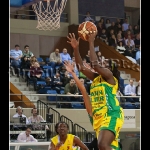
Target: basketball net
{"x":49,"y":16}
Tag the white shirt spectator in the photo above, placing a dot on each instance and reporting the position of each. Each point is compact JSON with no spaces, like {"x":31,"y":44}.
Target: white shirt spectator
{"x":130,"y":90}
{"x":131,"y":42}
{"x":17,"y":115}
{"x":22,"y":137}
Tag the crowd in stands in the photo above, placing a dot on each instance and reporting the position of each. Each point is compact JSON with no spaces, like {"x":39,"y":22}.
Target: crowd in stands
{"x":124,"y":37}
{"x":120,"y":35}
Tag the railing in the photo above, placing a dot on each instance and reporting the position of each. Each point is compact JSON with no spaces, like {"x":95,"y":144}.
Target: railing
{"x":122,"y":99}
{"x":69,"y":122}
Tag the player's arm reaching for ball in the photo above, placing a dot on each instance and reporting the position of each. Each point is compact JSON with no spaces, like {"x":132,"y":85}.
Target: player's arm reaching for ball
{"x":105,"y":72}
{"x":75,"y":44}
{"x":86,"y":97}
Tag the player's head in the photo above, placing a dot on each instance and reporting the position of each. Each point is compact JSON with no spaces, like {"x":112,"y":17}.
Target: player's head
{"x":61,"y":128}
{"x":113,"y":67}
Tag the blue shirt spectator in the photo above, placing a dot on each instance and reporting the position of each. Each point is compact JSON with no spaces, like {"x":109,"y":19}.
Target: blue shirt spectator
{"x":138,"y":55}
{"x":65,"y":56}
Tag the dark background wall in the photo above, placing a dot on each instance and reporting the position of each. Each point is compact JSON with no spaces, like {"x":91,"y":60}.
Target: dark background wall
{"x":110,"y":8}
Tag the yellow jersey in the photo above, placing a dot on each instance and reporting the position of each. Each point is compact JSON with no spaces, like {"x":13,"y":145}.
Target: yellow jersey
{"x":103,"y":100}
{"x":68,"y":145}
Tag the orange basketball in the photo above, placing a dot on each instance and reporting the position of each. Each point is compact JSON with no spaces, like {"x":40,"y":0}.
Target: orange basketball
{"x":84,"y":29}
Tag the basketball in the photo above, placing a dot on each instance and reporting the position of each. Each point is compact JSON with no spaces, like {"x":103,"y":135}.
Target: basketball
{"x":84,"y":28}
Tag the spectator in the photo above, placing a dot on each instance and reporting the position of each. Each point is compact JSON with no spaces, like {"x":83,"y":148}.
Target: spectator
{"x":66,"y":78}
{"x":102,"y":22}
{"x":25,"y":65}
{"x":72,"y":90}
{"x":108,"y":23}
{"x":15,"y":58}
{"x":138,"y":56}
{"x":127,"y":33}
{"x":136,"y":29}
{"x":131,"y":30}
{"x":110,"y":33}
{"x":87,"y":57}
{"x":33,"y":60}
{"x":99,"y":29}
{"x":88,"y":17}
{"x":138,"y":88}
{"x":19,"y":113}
{"x":27,"y":52}
{"x":100,"y":57}
{"x":125,"y":25}
{"x":26,"y":136}
{"x":129,"y":50}
{"x":36,"y":118}
{"x":130,"y":90}
{"x":137,"y":41}
{"x":112,"y":41}
{"x":112,"y":27}
{"x":103,"y":36}
{"x":118,"y":21}
{"x":120,"y":47}
{"x":36,"y":74}
{"x":120,"y":39}
{"x":55,"y":59}
{"x":130,"y":42}
{"x":65,"y":56}
{"x":118,"y":28}
{"x":57,"y":82}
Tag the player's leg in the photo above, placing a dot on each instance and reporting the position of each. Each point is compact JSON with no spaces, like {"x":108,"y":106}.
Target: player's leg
{"x":109,"y":132}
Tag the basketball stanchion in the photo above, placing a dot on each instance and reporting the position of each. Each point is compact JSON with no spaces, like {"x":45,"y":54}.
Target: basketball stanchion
{"x":48,"y":13}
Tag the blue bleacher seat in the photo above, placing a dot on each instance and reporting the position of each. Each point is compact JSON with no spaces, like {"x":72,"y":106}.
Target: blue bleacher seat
{"x":129,"y":106}
{"x":77,"y":106}
{"x":52,"y":98}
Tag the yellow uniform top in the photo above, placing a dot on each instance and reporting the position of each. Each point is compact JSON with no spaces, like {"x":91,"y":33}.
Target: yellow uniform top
{"x":68,"y":145}
{"x":103,"y":100}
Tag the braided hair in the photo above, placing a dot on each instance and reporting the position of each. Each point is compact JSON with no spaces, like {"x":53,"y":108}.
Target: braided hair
{"x":114,"y":69}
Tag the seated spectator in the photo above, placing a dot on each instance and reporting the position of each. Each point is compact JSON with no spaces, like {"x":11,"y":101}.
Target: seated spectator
{"x":87,"y":57}
{"x":136,"y":30}
{"x":138,"y":56}
{"x":88,"y":17}
{"x":138,"y":88}
{"x":110,"y":28}
{"x":66,"y":78}
{"x":25,"y":65}
{"x":99,"y":29}
{"x":110,"y":33}
{"x":65,"y":56}
{"x":119,"y":38}
{"x":118,"y":29}
{"x":27,"y":52}
{"x":55,"y":59}
{"x":125,"y":25}
{"x":72,"y":90}
{"x":128,"y":33}
{"x":36,"y":74}
{"x":130,"y":41}
{"x":137,"y":41}
{"x":15,"y":58}
{"x":120,"y":47}
{"x":130,"y":90}
{"x":107,"y":23}
{"x":112,"y":41}
{"x":19,"y":113}
{"x":26,"y":136}
{"x":61,"y":71}
{"x":57,"y":82}
{"x":131,"y":30}
{"x":103,"y":36}
{"x":102,"y":22}
{"x":36,"y":118}
{"x":100,"y":57}
{"x":129,"y":50}
{"x":33,"y":60}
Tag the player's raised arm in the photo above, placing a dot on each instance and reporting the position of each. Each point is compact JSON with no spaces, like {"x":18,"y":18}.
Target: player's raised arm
{"x":103,"y":71}
{"x":86,"y":97}
{"x":75,"y":44}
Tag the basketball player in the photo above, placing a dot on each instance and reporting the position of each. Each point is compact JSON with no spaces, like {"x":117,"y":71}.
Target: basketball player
{"x":105,"y":113}
{"x":65,"y":141}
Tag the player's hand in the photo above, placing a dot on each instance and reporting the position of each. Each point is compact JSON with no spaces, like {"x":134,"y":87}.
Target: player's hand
{"x":69,"y":66}
{"x":72,"y":40}
{"x":91,"y":36}
{"x":58,"y":145}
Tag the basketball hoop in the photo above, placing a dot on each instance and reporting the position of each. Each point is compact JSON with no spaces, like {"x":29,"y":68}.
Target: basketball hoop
{"x":48,"y":13}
